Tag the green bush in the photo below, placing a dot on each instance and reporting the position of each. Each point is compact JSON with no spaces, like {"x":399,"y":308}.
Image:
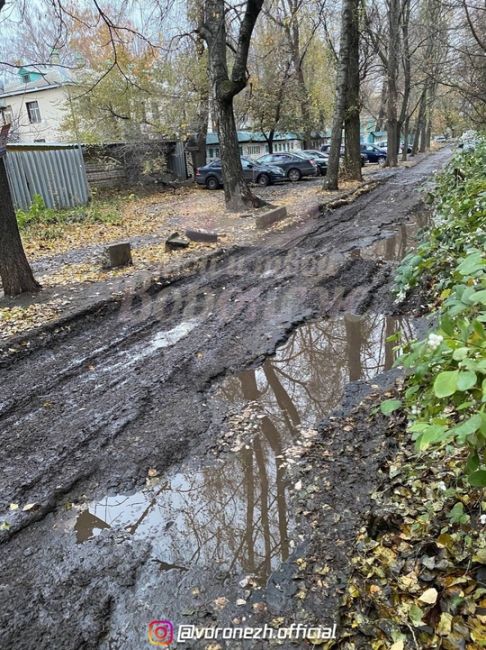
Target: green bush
{"x":445,"y":395}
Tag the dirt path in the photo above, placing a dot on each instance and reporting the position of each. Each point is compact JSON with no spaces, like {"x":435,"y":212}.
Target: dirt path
{"x":118,"y":402}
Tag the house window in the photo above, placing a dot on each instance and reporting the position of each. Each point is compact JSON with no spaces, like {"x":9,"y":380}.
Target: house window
{"x":6,"y":115}
{"x":33,"y":112}
{"x":210,"y":152}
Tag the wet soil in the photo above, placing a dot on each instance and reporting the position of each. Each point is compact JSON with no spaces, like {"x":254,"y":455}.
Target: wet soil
{"x":144,"y":446}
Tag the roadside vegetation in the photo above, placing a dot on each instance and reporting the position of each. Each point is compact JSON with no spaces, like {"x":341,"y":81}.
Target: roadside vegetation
{"x":445,"y":398}
{"x":419,"y":576}
{"x":47,"y":223}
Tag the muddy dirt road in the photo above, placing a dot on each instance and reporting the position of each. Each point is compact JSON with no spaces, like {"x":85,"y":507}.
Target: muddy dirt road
{"x":142,"y":447}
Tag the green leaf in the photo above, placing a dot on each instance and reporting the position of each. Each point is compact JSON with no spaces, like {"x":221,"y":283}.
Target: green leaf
{"x":471,"y":264}
{"x":457,"y":513}
{"x":472,"y":462}
{"x":480,"y":297}
{"x":415,"y":614}
{"x":445,"y":383}
{"x":388,"y":406}
{"x":468,"y":426}
{"x":433,"y":433}
{"x":466,"y":380}
{"x":460,"y":354}
{"x":478,"y":478}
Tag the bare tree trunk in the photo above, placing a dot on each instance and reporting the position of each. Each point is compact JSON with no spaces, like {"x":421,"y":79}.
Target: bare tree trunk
{"x":331,"y":180}
{"x":380,"y":122}
{"x":292,"y":31}
{"x":224,"y":88}
{"x":15,"y":271}
{"x":407,"y":78}
{"x":199,"y":156}
{"x":352,"y":127}
{"x":392,"y":75}
{"x":406,"y":127}
{"x":419,"y":122}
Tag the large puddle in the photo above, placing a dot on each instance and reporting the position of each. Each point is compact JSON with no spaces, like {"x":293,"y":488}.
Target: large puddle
{"x":231,"y":518}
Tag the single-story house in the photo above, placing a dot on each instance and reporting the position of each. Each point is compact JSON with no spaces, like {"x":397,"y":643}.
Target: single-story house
{"x":253,"y":145}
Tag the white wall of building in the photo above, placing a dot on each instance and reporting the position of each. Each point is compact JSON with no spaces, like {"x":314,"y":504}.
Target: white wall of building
{"x":53,"y":108}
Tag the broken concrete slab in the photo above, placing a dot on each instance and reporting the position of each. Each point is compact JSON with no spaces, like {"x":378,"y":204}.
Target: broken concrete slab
{"x":175,"y":242}
{"x":117,"y":255}
{"x":270,"y":216}
{"x":201,"y":235}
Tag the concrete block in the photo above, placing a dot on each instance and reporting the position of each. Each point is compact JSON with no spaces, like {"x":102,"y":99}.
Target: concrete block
{"x":271,"y":216}
{"x":117,"y":255}
{"x":202,"y":235}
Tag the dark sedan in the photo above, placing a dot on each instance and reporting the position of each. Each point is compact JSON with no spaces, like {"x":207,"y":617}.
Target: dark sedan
{"x":325,"y":149}
{"x":374,"y":153}
{"x":294,"y":166}
{"x":211,"y":175}
{"x":319,"y":158}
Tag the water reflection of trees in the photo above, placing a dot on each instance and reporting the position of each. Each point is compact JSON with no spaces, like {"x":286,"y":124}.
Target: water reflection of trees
{"x":225,"y":518}
{"x":234,"y":516}
{"x":306,"y":377}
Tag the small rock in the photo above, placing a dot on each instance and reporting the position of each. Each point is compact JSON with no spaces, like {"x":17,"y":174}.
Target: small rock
{"x":175,"y":242}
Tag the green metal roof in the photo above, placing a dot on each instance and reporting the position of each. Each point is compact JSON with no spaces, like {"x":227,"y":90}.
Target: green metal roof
{"x":250,"y":136}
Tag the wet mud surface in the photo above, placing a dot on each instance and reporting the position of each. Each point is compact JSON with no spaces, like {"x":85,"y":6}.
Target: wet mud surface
{"x":144,"y":449}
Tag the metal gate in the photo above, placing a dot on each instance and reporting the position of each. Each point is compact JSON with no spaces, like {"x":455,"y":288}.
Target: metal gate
{"x":56,"y":172}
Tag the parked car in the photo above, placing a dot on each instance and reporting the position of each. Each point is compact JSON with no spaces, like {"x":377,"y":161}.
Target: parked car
{"x":374,"y":153}
{"x":294,"y":166}
{"x":440,"y":138}
{"x":383,"y":144}
{"x":211,"y":175}
{"x":319,"y":158}
{"x":327,"y":147}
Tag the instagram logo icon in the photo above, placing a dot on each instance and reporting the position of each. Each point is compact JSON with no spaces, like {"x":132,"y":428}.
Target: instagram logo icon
{"x":160,"y":633}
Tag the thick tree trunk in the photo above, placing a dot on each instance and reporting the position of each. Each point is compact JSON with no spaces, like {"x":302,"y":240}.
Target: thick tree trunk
{"x":331,"y":179}
{"x":225,"y":87}
{"x":352,"y":127}
{"x":392,"y":130}
{"x":237,"y":194}
{"x":15,"y":271}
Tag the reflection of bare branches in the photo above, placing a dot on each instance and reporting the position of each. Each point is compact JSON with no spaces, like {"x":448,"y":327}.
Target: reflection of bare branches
{"x":305,"y":379}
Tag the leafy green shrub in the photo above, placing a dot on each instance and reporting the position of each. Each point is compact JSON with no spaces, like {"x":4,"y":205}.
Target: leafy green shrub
{"x":445,"y":396}
{"x":37,"y":213}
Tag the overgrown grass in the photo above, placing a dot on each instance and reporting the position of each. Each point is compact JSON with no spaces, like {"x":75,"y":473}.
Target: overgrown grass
{"x":445,"y":396}
{"x":49,"y":223}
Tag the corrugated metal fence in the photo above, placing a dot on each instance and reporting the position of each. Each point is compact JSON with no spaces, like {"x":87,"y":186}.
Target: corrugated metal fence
{"x":177,"y":161}
{"x":56,"y":172}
